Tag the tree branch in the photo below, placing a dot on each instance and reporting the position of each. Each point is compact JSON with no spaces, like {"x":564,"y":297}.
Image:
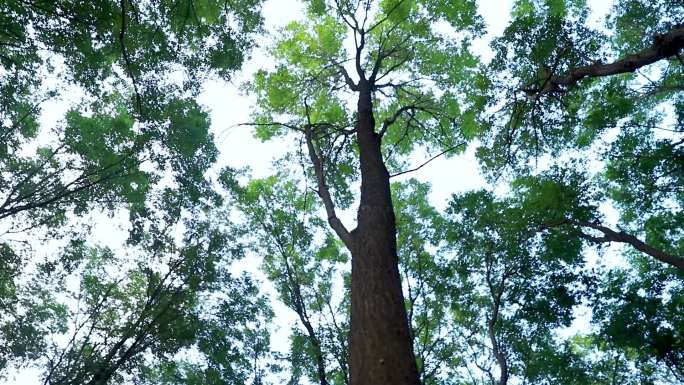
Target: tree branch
{"x":347,"y":79}
{"x":386,"y":17}
{"x":126,"y":57}
{"x":270,"y":124}
{"x":392,"y":119}
{"x":663,"y":47}
{"x":610,"y":235}
{"x":323,"y":191}
{"x":429,"y":160}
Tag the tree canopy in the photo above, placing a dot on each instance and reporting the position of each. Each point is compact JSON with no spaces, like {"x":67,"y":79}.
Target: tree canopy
{"x":133,"y":143}
{"x":565,"y":267}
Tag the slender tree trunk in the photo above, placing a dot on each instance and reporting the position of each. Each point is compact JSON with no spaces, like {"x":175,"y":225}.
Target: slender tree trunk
{"x":380,"y":343}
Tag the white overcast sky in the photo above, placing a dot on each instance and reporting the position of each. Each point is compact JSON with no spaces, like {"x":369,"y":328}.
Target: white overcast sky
{"x":228,"y":108}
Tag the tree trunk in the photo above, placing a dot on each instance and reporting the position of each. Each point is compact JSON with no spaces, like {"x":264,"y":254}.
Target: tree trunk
{"x":380,"y":345}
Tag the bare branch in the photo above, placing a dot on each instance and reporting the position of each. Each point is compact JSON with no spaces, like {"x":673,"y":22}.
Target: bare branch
{"x":452,"y":148}
{"x":271,"y":124}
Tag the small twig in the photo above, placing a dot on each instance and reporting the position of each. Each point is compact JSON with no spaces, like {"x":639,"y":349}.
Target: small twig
{"x":429,"y":160}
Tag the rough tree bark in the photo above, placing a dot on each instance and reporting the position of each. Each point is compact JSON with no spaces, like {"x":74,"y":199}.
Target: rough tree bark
{"x":380,"y":348}
{"x":380,"y":342}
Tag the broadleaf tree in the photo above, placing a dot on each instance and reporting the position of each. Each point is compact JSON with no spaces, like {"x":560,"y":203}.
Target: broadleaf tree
{"x":361,"y":111}
{"x":132,"y":142}
{"x":364,"y":84}
{"x":598,"y":110}
{"x":559,"y":85}
{"x":578,"y":131}
{"x":137,"y":69}
{"x":303,"y":265}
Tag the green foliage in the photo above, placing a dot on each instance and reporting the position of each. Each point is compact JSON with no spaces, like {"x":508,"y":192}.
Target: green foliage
{"x":133,"y":71}
{"x":506,"y":274}
{"x":303,"y":261}
{"x":162,"y":314}
{"x":553,"y":38}
{"x":639,"y":313}
{"x":512,"y":269}
{"x":622,"y":137}
{"x":496,"y":285}
{"x":120,"y":57}
{"x":412,"y":60}
{"x":427,"y":276}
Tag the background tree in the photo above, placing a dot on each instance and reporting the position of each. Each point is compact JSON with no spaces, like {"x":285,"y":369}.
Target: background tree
{"x":133,"y":139}
{"x":121,"y":56}
{"x":601,"y":107}
{"x":427,"y":282}
{"x":304,"y":261}
{"x":569,"y":90}
{"x":513,"y":289}
{"x":503,"y":249}
{"x":637,"y":309}
{"x":165,"y":312}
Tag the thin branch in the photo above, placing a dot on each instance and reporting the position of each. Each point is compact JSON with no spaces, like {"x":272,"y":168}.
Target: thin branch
{"x":347,"y":79}
{"x":392,"y":119}
{"x":452,"y":148}
{"x":127,"y":58}
{"x":270,"y":124}
{"x":384,"y":19}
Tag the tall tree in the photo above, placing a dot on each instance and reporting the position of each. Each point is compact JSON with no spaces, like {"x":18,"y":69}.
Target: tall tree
{"x":397,"y":63}
{"x":304,"y":267}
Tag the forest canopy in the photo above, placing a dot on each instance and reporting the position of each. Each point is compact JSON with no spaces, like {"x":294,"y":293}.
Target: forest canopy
{"x":131,"y":252}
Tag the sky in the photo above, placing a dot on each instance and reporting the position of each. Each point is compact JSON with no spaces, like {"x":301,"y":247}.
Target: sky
{"x":229,"y":107}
